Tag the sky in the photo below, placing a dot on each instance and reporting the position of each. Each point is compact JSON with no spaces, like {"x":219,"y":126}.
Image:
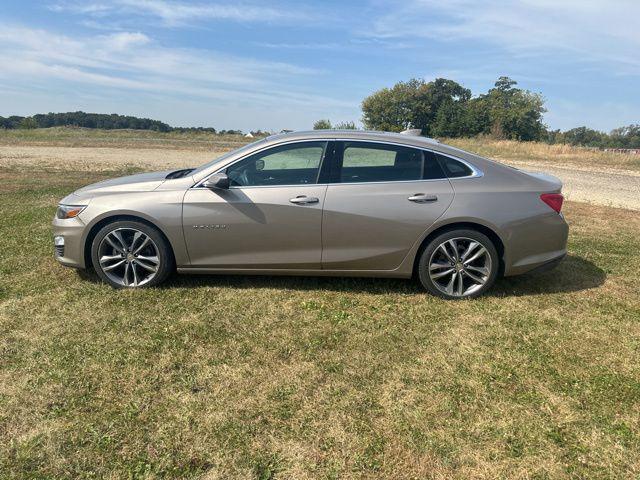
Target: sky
{"x":284,"y":64}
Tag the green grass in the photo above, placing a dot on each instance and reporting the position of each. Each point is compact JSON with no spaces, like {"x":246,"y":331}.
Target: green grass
{"x":275,"y":377}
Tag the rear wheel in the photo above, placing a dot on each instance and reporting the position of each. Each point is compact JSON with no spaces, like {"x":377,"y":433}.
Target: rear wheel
{"x":459,"y":264}
{"x":128,"y":254}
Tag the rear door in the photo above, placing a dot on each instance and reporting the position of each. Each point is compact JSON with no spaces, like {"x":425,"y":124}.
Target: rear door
{"x":380,"y":200}
{"x":269,"y":218}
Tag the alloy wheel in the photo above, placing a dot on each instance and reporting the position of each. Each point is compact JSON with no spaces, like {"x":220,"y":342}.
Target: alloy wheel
{"x":129,"y":257}
{"x":460,"y":266}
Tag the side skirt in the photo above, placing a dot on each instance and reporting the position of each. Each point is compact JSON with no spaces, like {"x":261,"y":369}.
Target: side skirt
{"x":296,"y":272}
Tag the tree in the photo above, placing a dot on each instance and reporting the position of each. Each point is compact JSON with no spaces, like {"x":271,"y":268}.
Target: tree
{"x":444,"y":108}
{"x":513,"y":113}
{"x":322,"y":125}
{"x":27,"y":124}
{"x":583,"y":136}
{"x":440,"y":108}
{"x":625,"y":137}
{"x":392,"y":109}
{"x":346,"y":126}
{"x":437,"y":107}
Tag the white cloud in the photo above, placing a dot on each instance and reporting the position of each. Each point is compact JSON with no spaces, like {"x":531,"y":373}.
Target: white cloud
{"x":591,"y":30}
{"x":175,"y":13}
{"x":124,"y":40}
{"x":132,"y":62}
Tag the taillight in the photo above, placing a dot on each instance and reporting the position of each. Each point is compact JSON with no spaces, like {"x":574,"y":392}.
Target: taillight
{"x":554,"y":200}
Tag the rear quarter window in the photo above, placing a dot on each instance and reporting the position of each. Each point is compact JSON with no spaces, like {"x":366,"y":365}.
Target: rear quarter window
{"x":453,"y":168}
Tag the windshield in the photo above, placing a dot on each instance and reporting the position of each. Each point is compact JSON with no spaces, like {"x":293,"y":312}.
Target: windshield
{"x":247,"y":147}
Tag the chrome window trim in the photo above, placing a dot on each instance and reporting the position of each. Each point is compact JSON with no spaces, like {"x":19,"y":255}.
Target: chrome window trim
{"x":476,"y":172}
{"x":198,"y":185}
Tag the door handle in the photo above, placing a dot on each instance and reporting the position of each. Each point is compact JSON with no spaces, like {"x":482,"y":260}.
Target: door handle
{"x":422,"y":198}
{"x":303,"y":200}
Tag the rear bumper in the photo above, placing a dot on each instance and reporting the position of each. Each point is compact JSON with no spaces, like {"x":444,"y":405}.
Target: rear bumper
{"x":535,"y":243}
{"x":545,"y":267}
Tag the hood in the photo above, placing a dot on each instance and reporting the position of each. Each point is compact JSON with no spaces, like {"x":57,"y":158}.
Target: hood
{"x":142,"y":182}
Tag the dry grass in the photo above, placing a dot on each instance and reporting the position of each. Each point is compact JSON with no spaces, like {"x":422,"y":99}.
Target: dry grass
{"x":249,"y":377}
{"x":127,"y":139}
{"x":529,"y":152}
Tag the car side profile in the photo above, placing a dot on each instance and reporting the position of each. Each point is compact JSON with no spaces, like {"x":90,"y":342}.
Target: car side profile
{"x":338,"y":203}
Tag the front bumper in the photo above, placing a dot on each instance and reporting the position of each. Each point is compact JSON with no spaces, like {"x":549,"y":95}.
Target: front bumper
{"x":68,"y":237}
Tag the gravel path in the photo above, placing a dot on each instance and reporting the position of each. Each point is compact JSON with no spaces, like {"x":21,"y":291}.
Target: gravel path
{"x":614,"y":188}
{"x":591,"y":184}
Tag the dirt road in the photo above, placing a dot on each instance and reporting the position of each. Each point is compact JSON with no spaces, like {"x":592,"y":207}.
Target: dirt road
{"x":591,"y":184}
{"x":614,"y":188}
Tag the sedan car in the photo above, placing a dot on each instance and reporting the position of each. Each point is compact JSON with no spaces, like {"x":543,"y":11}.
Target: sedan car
{"x":339,"y":203}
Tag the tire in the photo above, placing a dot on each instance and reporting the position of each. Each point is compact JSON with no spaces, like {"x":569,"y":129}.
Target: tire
{"x":451,"y":274}
{"x":130,"y":254}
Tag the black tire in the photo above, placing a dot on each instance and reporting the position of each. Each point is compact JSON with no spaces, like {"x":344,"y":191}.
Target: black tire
{"x":157,"y":248}
{"x":464,"y":238}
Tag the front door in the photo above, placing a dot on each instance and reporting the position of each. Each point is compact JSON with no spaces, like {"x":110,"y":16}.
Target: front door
{"x":381,"y":200}
{"x":269,"y":218}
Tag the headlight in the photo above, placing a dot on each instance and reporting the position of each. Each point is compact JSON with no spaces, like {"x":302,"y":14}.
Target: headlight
{"x":69,"y":211}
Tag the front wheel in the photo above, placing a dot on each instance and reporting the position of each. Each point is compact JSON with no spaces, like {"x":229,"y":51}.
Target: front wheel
{"x":129,"y":254}
{"x":459,"y":264}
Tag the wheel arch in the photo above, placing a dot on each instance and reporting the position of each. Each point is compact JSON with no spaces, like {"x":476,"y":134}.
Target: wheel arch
{"x":121,"y":217}
{"x":466,"y":224}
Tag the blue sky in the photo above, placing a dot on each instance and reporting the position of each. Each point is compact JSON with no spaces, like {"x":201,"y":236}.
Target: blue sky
{"x":283,"y":64}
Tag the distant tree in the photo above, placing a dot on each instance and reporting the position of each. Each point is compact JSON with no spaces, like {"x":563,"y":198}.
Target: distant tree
{"x":98,"y":120}
{"x":583,"y":136}
{"x":322,"y":125}
{"x":27,"y":124}
{"x":513,"y":113}
{"x":260,"y":133}
{"x":440,"y":108}
{"x":437,"y":107}
{"x":444,"y":108}
{"x":392,"y":109}
{"x":11,"y":122}
{"x":625,"y":137}
{"x":346,"y":126}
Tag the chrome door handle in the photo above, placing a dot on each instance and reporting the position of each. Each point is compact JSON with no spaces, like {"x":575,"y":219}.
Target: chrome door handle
{"x":303,"y":200}
{"x":422,"y":198}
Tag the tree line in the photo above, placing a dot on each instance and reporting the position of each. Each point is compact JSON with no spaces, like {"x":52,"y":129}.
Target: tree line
{"x":440,"y":108}
{"x":105,"y":121}
{"x":623,"y":137}
{"x":444,"y":108}
{"x":86,"y":120}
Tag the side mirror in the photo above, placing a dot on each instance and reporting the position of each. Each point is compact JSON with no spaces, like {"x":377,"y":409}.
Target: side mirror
{"x":218,"y":181}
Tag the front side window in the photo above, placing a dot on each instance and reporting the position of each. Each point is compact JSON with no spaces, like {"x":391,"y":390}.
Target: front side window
{"x":373,"y":162}
{"x":293,"y":164}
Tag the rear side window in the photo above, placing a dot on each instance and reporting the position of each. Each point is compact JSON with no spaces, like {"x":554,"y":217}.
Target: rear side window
{"x":453,"y":168}
{"x":377,"y":162}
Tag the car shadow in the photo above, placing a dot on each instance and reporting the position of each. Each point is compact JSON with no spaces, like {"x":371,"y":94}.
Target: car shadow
{"x":574,"y":274}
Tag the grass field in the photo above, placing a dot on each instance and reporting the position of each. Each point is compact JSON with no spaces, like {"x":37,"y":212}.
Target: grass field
{"x":207,"y":142}
{"x":545,"y":153}
{"x":252,"y":377}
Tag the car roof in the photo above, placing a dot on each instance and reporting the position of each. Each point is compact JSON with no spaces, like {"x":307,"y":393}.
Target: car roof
{"x":370,"y":135}
{"x":355,"y":134}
